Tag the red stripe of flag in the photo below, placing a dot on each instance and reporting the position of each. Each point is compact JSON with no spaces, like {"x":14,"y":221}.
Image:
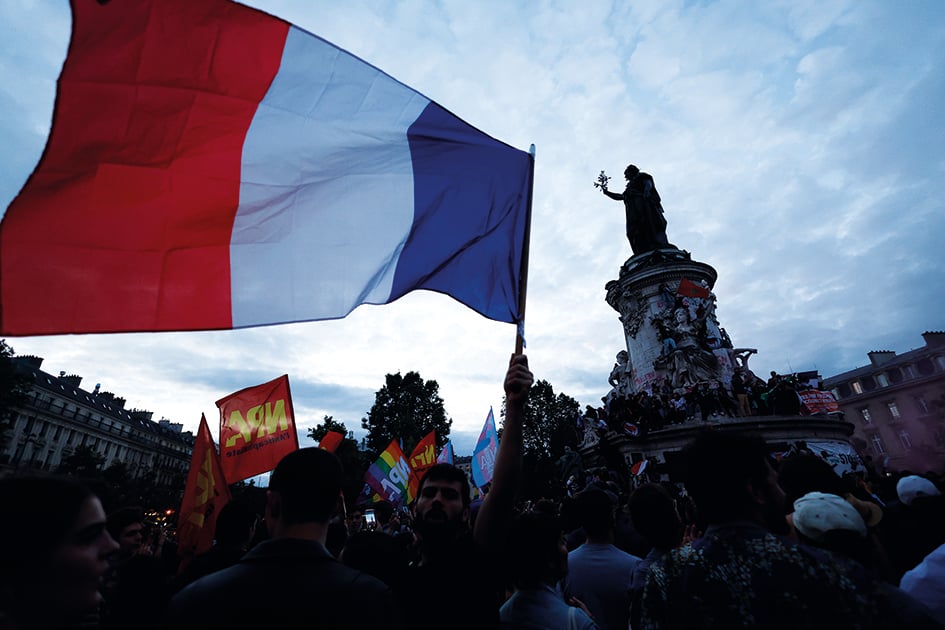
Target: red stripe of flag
{"x":139,"y":124}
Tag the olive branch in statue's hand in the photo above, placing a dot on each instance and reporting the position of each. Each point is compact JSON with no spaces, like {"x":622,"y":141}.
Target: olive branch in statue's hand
{"x":601,"y":182}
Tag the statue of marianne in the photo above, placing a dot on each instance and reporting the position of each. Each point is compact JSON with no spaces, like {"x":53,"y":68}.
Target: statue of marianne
{"x":646,"y":225}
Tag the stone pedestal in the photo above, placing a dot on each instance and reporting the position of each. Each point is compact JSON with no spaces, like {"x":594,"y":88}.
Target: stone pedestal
{"x":673,"y":337}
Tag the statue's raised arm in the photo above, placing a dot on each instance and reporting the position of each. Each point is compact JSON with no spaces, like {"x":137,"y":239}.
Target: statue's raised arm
{"x":646,"y":225}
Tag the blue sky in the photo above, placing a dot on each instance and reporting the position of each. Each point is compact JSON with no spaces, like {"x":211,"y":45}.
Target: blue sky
{"x":799,"y":148}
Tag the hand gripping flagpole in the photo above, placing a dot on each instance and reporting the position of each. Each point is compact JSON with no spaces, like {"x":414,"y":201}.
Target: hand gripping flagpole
{"x":523,"y":276}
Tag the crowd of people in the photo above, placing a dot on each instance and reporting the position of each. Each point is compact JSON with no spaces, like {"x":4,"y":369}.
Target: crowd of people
{"x":703,"y":402}
{"x":744,"y":541}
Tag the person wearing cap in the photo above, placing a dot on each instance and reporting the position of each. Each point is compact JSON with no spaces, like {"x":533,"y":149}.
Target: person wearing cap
{"x":912,"y":487}
{"x":831,"y":522}
{"x":926,"y":583}
{"x":915,"y":525}
{"x":744,"y":572}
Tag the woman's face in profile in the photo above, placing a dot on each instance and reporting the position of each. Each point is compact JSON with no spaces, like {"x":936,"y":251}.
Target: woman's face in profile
{"x":77,"y":564}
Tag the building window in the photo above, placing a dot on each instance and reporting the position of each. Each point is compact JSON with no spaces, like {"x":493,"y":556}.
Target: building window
{"x":939,"y":436}
{"x":857,"y":388}
{"x":925,"y":366}
{"x":908,"y":371}
{"x":882,"y":380}
{"x":867,"y":418}
{"x":893,"y":410}
{"x":905,"y":439}
{"x":940,"y":361}
{"x":877,"y":443}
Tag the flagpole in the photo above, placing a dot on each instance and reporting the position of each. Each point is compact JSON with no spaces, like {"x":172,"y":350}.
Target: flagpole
{"x":523,"y":275}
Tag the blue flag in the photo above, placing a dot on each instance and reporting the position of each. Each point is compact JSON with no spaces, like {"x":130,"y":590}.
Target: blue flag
{"x":446,"y":455}
{"x":483,"y":461}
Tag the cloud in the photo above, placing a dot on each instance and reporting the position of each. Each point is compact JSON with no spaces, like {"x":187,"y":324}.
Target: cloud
{"x":796,"y":147}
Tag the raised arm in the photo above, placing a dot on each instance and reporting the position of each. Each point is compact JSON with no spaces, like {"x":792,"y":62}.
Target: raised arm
{"x":612,"y":195}
{"x":495,"y":515}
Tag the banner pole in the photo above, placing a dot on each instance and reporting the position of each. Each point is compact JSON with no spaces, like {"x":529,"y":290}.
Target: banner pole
{"x":523,"y":275}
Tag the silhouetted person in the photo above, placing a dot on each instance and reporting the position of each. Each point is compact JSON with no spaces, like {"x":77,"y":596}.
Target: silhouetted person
{"x":291,"y":580}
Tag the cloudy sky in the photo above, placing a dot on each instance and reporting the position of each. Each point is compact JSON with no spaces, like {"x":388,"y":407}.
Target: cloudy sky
{"x":798,"y":146}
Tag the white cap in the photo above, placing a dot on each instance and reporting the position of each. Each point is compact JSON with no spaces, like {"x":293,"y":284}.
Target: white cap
{"x":913,"y":486}
{"x":817,"y":513}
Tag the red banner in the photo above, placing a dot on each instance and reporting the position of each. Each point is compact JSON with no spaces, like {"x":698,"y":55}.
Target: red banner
{"x":257,"y":429}
{"x":205,"y":495}
{"x":423,"y":457}
{"x":691,"y":289}
{"x":817,"y":401}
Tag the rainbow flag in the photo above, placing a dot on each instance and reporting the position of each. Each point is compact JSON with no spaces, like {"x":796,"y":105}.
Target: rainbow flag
{"x":390,"y":476}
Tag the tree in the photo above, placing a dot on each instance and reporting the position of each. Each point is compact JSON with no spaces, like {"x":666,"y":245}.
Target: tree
{"x":14,"y":387}
{"x":549,"y":426}
{"x":405,"y":408}
{"x":353,"y":459}
{"x":83,"y":463}
{"x":329,"y":424}
{"x":549,"y":422}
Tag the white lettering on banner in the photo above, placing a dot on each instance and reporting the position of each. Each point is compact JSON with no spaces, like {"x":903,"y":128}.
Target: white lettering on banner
{"x":487,"y":459}
{"x":392,"y":490}
{"x":839,"y":455}
{"x":400,"y":473}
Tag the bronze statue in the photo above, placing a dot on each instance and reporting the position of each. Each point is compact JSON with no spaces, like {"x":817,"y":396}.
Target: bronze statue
{"x":646,"y":226}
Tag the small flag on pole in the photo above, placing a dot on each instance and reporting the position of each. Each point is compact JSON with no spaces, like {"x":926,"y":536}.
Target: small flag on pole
{"x":483,"y":461}
{"x":688,"y":288}
{"x":446,"y":455}
{"x":331,"y":441}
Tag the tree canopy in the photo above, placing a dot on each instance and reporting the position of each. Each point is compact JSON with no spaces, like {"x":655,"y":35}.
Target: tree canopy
{"x":353,"y":459}
{"x":13,"y":390}
{"x":549,"y":426}
{"x":405,"y":408}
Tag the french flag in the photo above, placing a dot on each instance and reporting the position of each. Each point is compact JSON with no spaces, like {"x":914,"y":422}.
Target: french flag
{"x":211,"y":166}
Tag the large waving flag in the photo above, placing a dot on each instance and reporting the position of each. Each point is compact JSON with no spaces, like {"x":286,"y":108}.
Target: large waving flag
{"x":390,"y":476}
{"x":205,"y":494}
{"x":257,"y":428}
{"x":483,"y":460}
{"x":211,"y":167}
{"x":446,"y":455}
